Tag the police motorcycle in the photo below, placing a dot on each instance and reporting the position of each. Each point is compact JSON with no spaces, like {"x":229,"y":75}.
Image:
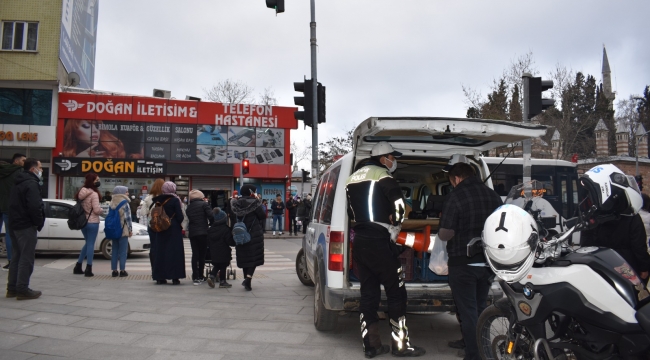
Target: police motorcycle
{"x":561,"y":302}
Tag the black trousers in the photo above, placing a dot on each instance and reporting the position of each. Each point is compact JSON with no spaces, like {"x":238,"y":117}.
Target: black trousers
{"x":377,"y":264}
{"x":199,"y":249}
{"x":248,"y":271}
{"x":293,"y":225}
{"x":305,"y":223}
{"x":470,"y":286}
{"x":221,"y":268}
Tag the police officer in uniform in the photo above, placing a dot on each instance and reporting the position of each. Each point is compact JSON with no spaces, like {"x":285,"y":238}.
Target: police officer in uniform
{"x":376,"y":205}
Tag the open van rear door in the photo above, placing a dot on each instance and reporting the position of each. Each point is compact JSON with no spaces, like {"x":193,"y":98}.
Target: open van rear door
{"x":440,"y":136}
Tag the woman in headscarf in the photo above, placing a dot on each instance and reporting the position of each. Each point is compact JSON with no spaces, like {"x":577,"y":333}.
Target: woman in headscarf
{"x":169,"y":257}
{"x":248,"y":208}
{"x":200,"y":217}
{"x":121,"y":245}
{"x":147,"y":203}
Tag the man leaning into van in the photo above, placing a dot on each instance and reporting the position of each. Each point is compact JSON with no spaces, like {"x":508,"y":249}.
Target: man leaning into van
{"x":376,"y":205}
{"x":462,"y":219}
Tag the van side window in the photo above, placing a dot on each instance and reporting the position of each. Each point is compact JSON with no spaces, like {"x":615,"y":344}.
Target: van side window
{"x":319,"y":200}
{"x":330,"y":192}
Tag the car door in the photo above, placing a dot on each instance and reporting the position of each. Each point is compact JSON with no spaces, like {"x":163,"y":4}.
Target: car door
{"x":441,"y":137}
{"x":60,"y":236}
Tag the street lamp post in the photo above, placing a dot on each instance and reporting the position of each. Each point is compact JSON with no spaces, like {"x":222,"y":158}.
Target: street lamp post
{"x":636,"y":150}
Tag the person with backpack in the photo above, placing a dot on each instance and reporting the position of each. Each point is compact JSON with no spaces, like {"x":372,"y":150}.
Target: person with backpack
{"x":277,"y":209}
{"x":220,"y":240}
{"x":200,"y":217}
{"x":89,"y":196}
{"x":165,"y":219}
{"x":247,"y":215}
{"x":147,"y":204}
{"x":118,"y":227}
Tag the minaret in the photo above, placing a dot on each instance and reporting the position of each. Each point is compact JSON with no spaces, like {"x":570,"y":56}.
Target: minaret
{"x":607,"y":81}
{"x":622,"y":140}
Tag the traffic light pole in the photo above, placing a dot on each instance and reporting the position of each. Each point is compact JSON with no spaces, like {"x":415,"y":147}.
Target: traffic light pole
{"x":314,"y":129}
{"x":527,"y":143}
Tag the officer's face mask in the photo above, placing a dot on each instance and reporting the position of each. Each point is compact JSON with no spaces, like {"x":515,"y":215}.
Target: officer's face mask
{"x":393,"y":166}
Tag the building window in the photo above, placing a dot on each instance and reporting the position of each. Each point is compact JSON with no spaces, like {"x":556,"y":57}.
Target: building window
{"x":25,"y":106}
{"x":19,"y":35}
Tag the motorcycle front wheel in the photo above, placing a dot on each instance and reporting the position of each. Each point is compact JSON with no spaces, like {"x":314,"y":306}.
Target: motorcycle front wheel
{"x":492,"y":334}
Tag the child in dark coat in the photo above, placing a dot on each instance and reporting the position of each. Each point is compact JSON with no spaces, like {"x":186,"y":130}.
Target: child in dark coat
{"x":220,"y":240}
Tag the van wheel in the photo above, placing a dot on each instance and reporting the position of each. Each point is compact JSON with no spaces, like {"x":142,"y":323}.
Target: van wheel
{"x":107,"y":249}
{"x":324,"y":319}
{"x":301,"y":269}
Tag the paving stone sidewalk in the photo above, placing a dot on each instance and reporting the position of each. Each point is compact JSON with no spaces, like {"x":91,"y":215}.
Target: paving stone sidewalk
{"x":81,"y":318}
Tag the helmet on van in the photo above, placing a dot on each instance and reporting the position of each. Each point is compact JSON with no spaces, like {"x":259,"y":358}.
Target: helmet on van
{"x":611,"y":191}
{"x":510,"y":239}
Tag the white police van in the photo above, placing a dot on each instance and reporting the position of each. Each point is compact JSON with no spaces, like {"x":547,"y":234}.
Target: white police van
{"x":427,"y":143}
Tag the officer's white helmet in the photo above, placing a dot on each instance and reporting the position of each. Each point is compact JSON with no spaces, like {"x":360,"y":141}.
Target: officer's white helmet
{"x":510,"y":238}
{"x":611,"y":191}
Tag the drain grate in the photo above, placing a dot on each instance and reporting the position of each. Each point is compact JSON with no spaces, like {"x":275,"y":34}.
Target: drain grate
{"x":148,"y":277}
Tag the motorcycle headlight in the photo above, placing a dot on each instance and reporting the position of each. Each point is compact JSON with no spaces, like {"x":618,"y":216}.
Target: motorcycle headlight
{"x":142,"y":232}
{"x":619,"y":179}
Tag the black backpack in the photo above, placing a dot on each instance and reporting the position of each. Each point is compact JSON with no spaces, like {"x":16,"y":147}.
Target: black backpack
{"x":77,"y":216}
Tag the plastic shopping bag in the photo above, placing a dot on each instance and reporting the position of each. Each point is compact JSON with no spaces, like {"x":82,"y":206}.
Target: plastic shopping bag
{"x":439,"y":257}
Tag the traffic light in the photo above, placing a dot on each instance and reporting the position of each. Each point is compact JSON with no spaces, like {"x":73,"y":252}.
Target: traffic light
{"x":536,"y":86}
{"x":304,"y":175}
{"x":639,"y":181}
{"x":320,"y":94}
{"x":245,"y":166}
{"x":307,"y":101}
{"x":278,"y":5}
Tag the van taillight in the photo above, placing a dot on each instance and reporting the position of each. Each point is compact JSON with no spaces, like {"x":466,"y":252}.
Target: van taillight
{"x":335,"y":259}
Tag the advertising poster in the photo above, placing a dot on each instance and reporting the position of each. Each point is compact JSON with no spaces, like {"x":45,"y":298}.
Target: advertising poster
{"x":79,"y":39}
{"x":172,"y":142}
{"x":270,"y":155}
{"x":270,"y":137}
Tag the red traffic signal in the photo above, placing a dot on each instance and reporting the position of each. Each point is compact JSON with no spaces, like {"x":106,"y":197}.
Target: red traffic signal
{"x":245,"y":166}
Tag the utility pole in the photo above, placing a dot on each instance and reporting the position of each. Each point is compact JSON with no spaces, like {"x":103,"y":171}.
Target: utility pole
{"x":314,"y":129}
{"x":526,"y":143}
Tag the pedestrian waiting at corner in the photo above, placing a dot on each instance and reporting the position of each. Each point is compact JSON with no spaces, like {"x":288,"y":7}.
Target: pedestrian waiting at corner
{"x":8,"y":174}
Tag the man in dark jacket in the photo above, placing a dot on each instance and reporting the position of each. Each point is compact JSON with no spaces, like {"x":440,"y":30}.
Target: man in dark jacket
{"x":27,"y":219}
{"x":8,"y":174}
{"x":306,"y":211}
{"x":292,"y":208}
{"x":220,"y":240}
{"x":376,"y":205}
{"x":133,"y":204}
{"x":463,"y":215}
{"x":277,"y":209}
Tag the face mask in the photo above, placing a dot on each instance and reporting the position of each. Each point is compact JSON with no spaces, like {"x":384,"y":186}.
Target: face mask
{"x":39,"y":174}
{"x":393,"y":167}
{"x":97,"y":183}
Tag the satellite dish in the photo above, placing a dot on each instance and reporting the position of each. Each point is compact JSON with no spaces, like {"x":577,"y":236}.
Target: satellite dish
{"x":73,"y":79}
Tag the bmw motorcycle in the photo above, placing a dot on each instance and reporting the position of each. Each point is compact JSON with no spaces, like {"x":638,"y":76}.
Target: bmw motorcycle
{"x":584,"y":303}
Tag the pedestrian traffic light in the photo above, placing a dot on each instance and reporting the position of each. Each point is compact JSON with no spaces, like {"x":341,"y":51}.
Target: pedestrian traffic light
{"x":536,"y":86}
{"x":320,"y":94}
{"x":245,"y":166}
{"x":304,"y":175}
{"x":278,"y":5}
{"x":307,"y":101}
{"x":639,"y":181}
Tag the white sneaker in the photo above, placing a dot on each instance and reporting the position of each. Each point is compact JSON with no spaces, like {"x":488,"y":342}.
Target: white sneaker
{"x":197,"y":282}
{"x":274,"y":233}
{"x":281,"y":233}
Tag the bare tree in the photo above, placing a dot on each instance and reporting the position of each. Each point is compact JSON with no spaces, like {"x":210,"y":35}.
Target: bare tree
{"x":512,"y":74}
{"x":230,"y":92}
{"x":562,"y":78}
{"x":300,"y":152}
{"x":627,"y":114}
{"x":267,"y":97}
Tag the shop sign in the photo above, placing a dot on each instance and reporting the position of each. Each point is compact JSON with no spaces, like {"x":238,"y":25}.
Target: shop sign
{"x":120,"y":167}
{"x":27,"y":135}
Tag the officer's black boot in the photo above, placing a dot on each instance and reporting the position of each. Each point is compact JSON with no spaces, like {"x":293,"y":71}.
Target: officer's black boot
{"x":372,"y":341}
{"x":400,"y":340}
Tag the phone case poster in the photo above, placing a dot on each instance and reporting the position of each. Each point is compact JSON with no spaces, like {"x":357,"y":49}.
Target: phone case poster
{"x":210,"y":153}
{"x":212,"y":135}
{"x":238,"y":153}
{"x":269,"y":155}
{"x":270,"y":138}
{"x":241,"y":136}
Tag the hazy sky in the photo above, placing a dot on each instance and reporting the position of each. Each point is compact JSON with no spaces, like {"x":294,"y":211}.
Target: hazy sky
{"x":376,"y":57}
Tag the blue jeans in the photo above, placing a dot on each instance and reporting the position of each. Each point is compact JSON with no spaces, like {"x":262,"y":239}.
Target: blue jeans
{"x":88,"y":251}
{"x":277,"y":219}
{"x":5,"y":218}
{"x":119,"y":252}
